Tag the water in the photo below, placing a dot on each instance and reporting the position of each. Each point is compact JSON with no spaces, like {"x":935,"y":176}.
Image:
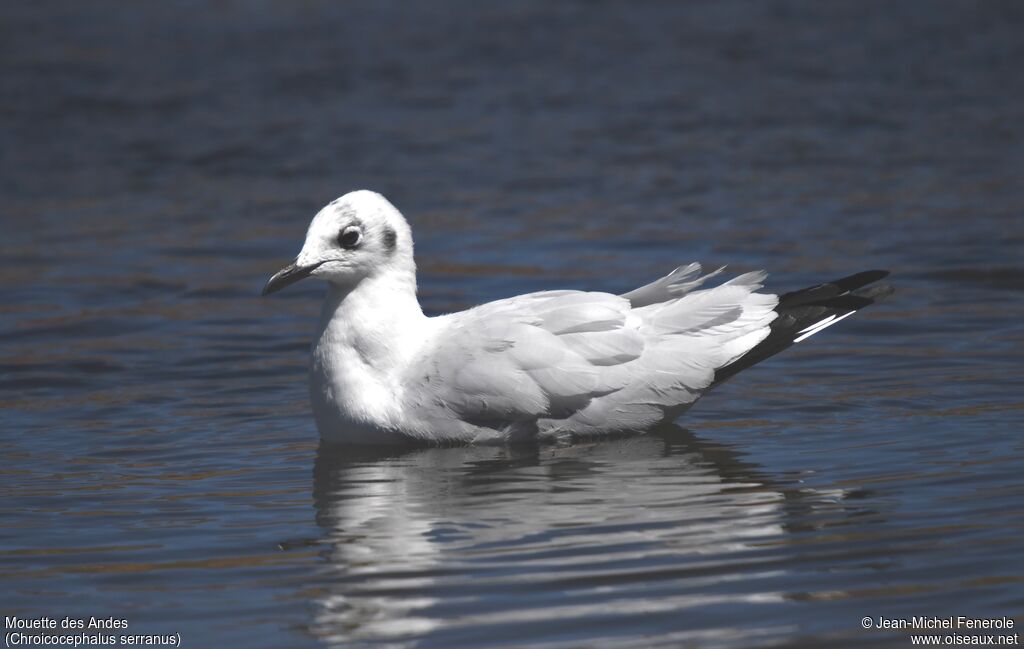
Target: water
{"x":160,"y":460}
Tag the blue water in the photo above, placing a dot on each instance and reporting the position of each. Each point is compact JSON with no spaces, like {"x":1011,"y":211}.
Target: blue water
{"x":160,"y":460}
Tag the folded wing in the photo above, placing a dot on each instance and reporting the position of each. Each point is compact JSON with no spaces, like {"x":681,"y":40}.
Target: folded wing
{"x":583,"y":362}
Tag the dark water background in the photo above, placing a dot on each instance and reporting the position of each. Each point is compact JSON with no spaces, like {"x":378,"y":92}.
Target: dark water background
{"x":160,"y":463}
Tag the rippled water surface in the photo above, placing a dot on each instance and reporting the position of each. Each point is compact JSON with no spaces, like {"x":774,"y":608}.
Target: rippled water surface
{"x":160,"y":462}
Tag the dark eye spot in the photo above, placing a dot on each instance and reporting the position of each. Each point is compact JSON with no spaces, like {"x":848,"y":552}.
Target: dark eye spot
{"x":350,"y":237}
{"x":390,"y":239}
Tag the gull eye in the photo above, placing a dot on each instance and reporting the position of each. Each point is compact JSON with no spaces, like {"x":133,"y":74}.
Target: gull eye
{"x":350,"y":237}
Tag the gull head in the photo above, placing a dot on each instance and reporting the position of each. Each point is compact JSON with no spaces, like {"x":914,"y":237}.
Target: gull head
{"x":357,"y":236}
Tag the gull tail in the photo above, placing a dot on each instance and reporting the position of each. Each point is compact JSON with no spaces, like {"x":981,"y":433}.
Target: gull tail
{"x":805,"y":312}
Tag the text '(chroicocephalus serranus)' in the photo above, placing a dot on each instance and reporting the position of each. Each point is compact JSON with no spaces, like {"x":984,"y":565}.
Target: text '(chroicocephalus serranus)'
{"x":544,"y":365}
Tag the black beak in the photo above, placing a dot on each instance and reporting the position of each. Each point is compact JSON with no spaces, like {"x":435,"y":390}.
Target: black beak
{"x":287,"y":276}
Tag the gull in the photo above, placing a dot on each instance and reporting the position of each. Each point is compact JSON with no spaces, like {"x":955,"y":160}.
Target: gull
{"x":545,"y":366}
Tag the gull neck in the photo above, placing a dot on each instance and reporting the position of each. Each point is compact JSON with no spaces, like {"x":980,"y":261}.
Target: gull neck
{"x":378,"y":316}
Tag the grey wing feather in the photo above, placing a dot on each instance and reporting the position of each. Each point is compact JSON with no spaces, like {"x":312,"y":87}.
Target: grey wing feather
{"x":579,"y":362}
{"x":533,"y":356}
{"x":676,"y":284}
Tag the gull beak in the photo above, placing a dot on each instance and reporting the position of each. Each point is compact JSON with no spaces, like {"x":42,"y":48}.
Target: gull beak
{"x":287,"y":276}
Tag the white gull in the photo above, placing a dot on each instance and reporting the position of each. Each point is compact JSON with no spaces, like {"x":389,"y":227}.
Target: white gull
{"x":547,"y":365}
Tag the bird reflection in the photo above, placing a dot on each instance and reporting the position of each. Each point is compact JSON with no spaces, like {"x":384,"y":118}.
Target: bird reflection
{"x":418,"y":539}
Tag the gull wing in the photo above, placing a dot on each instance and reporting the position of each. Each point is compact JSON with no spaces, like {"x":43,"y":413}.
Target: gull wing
{"x":584,"y":362}
{"x":686,"y":340}
{"x":538,"y":355}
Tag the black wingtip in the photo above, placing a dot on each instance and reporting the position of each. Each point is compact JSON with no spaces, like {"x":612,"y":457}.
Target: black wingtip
{"x":799,"y":310}
{"x":853,"y":282}
{"x":829,"y":290}
{"x":875,"y":293}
